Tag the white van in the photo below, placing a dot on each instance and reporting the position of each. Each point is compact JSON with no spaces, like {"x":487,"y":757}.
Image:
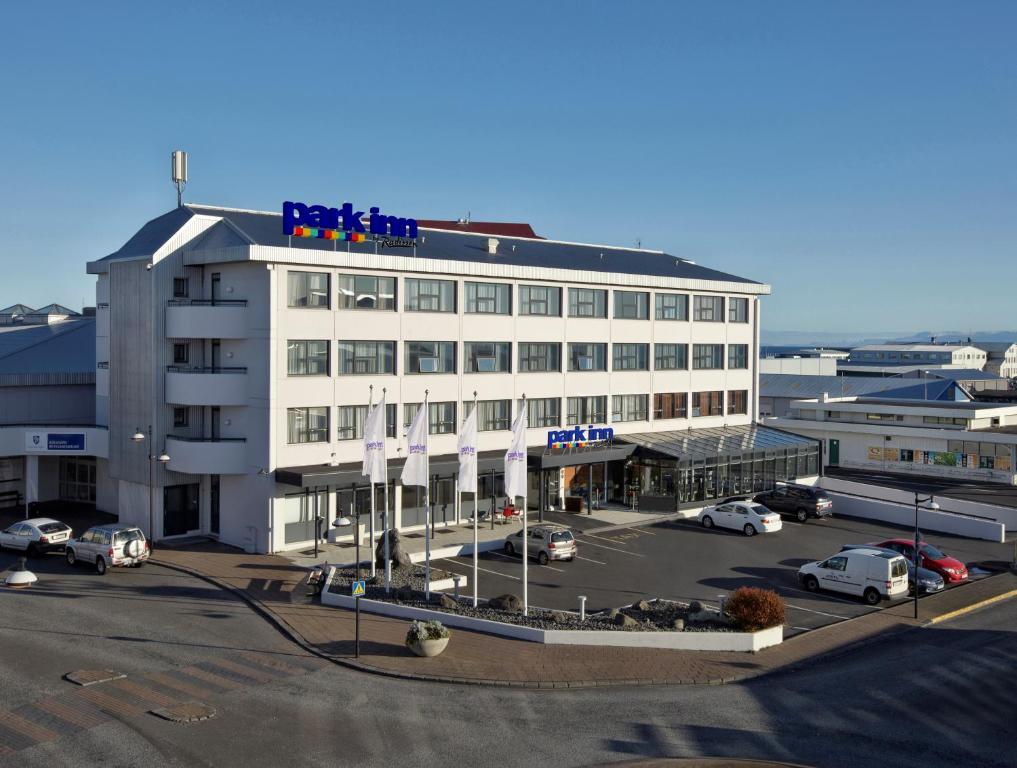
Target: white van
{"x":872,"y":574}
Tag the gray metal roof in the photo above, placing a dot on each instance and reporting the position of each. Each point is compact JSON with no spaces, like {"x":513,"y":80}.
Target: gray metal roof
{"x":963,"y":374}
{"x":57,"y":348}
{"x":261,"y":228}
{"x":17,"y":309}
{"x":805,"y":387}
{"x":698,"y":444}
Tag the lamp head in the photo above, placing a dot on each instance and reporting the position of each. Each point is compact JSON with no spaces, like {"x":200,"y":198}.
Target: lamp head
{"x":342,"y":522}
{"x":138,"y":436}
{"x":164,"y":458}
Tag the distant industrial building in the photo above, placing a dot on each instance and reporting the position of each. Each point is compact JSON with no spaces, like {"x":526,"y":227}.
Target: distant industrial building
{"x":1002,"y":358}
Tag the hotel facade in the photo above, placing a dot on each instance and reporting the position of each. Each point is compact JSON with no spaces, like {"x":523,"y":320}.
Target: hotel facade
{"x":247,"y":359}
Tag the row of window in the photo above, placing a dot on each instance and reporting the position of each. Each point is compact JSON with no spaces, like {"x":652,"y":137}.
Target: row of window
{"x":311,"y":357}
{"x":311,"y":425}
{"x":312,"y":290}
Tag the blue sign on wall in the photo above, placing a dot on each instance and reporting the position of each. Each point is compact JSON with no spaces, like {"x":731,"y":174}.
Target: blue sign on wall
{"x":65,"y":441}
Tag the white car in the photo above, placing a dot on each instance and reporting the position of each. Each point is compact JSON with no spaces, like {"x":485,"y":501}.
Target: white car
{"x":872,"y":574}
{"x":105,"y":546}
{"x":36,"y":536}
{"x":746,"y":516}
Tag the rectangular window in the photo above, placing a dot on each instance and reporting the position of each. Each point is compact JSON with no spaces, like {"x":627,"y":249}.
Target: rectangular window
{"x":308,"y":290}
{"x":430,"y":295}
{"x":307,"y":425}
{"x":307,"y":358}
{"x":629,"y":408}
{"x":430,"y":357}
{"x":671,"y":357}
{"x":587,"y":357}
{"x":631,"y":357}
{"x":707,"y":403}
{"x":181,"y":417}
{"x":587,"y":410}
{"x":487,"y":357}
{"x":441,"y":417}
{"x":738,"y":310}
{"x":350,"y":420}
{"x":707,"y":356}
{"x":180,"y":287}
{"x":543,"y":356}
{"x":365,"y":358}
{"x":708,"y":309}
{"x":180,"y":354}
{"x":587,"y":302}
{"x":737,"y":356}
{"x":737,"y":401}
{"x":671,"y":306}
{"x":670,"y":405}
{"x":492,"y":415}
{"x":543,"y":412}
{"x":366,"y":292}
{"x":488,"y":299}
{"x":631,"y":305}
{"x":540,"y":300}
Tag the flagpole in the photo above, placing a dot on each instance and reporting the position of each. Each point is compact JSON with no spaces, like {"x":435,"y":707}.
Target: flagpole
{"x":427,"y":503}
{"x":384,"y":514}
{"x":526,"y":553}
{"x":476,"y":516}
{"x":374,"y":511}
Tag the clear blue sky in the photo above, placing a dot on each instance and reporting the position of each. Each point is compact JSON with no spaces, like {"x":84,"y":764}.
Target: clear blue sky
{"x":858,"y":156}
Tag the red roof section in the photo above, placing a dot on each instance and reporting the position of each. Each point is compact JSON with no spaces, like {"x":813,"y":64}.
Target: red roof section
{"x":507,"y":228}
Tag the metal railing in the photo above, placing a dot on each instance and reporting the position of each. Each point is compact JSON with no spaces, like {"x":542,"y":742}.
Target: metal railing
{"x":212,"y":369}
{"x":207,"y":302}
{"x":208,"y":439}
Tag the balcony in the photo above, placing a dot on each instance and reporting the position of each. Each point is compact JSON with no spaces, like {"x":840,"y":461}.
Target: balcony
{"x":206,"y":319}
{"x":207,"y":456}
{"x":206,"y":386}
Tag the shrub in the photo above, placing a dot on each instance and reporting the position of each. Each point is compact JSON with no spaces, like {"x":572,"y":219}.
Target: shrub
{"x":752,"y":609}
{"x":426,"y":630}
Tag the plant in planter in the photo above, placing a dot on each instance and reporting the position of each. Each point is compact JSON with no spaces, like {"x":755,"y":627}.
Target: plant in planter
{"x":752,"y":609}
{"x":427,"y":638}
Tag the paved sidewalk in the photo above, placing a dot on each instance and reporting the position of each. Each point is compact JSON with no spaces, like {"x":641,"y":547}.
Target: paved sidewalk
{"x":276,"y":587}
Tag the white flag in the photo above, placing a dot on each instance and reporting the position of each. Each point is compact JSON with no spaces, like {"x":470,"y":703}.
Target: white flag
{"x":468,"y":454}
{"x":515,"y":457}
{"x":374,"y":443}
{"x":415,"y":468}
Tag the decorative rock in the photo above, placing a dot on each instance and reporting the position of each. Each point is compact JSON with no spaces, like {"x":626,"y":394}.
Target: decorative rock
{"x":447,"y":602}
{"x":400,"y":558}
{"x":506,"y":602}
{"x":613,"y":614}
{"x":679,"y":625}
{"x":695,"y":607}
{"x":559,"y":617}
{"x":624,"y":620}
{"x":404,"y":593}
{"x":641,"y":605}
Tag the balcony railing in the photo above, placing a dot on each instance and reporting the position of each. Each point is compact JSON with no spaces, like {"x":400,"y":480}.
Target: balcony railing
{"x":207,"y":302}
{"x":206,"y":386}
{"x":212,"y":369}
{"x":206,"y":319}
{"x":207,"y":455}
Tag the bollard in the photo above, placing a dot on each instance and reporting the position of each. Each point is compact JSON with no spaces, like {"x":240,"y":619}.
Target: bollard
{"x":455,"y":582}
{"x":722,"y":599}
{"x":582,"y":607}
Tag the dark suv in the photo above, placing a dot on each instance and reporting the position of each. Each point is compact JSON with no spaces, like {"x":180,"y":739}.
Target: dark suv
{"x":802,"y":501}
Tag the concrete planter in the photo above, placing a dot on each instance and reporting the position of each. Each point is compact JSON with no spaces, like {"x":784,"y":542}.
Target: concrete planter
{"x":429,"y":648}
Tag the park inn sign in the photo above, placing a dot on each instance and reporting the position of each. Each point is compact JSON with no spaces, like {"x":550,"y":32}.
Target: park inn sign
{"x":577,"y":437}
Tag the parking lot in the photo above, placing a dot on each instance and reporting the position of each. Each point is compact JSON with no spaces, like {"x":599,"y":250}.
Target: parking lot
{"x":680,"y":560}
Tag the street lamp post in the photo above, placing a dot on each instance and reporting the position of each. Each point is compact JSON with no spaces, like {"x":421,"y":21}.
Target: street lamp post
{"x":138,"y":437}
{"x":932,"y":506}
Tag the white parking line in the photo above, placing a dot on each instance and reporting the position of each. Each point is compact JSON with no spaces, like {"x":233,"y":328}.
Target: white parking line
{"x":809,"y":610}
{"x":580,"y":557}
{"x":828,"y":597}
{"x":514,"y":560}
{"x":485,"y":570}
{"x":643,"y":530}
{"x":604,"y":546}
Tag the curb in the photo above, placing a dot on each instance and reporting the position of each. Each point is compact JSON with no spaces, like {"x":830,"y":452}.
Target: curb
{"x":969,"y":608}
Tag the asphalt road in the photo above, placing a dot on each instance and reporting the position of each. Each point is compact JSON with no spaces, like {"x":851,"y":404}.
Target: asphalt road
{"x":934,"y":697}
{"x":969,"y":490}
{"x":680,"y":560}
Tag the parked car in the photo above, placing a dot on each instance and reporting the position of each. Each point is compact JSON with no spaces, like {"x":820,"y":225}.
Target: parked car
{"x":105,"y":546}
{"x":872,"y":574}
{"x":545,"y":543}
{"x":36,"y":536}
{"x":802,"y":501}
{"x":951,"y":569}
{"x":928,"y":580}
{"x":745,"y":516}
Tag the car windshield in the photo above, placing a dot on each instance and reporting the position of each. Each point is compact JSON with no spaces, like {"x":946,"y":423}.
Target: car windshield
{"x":52,"y":527}
{"x":124,"y":536}
{"x":561,"y":536}
{"x":931,"y":552}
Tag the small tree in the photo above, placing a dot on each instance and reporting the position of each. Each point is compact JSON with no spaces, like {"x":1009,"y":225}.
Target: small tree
{"x":752,"y":608}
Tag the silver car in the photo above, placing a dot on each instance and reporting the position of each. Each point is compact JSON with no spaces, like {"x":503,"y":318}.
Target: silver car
{"x":36,"y":536}
{"x":546,"y":542}
{"x":105,"y":546}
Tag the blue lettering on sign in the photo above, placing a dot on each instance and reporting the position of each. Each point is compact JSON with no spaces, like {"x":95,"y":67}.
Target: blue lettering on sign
{"x":345,"y":218}
{"x":577,"y":436}
{"x":56,"y":441}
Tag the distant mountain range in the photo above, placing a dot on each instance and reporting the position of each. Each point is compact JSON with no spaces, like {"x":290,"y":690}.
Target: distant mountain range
{"x":832,"y":339}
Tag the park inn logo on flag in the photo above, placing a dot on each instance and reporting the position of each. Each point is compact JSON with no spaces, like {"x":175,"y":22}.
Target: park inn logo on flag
{"x":468,"y":454}
{"x":515,"y":458}
{"x":375,"y":465}
{"x":415,"y":468}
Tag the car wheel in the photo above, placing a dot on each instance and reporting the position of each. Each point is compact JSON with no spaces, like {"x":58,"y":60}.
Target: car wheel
{"x":708,"y":522}
{"x":542,"y":558}
{"x":33,"y":550}
{"x":69,"y":556}
{"x":811,"y":583}
{"x":749,"y":529}
{"x":509,"y":549}
{"x":802,"y":515}
{"x":871,"y":596}
{"x":100,"y":566}
{"x":139,"y":564}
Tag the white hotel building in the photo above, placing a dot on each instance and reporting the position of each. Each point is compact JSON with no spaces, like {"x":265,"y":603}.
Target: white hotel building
{"x":251,"y":356}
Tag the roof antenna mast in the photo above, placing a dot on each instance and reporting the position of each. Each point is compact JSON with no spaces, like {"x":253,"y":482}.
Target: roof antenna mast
{"x":179,"y":158}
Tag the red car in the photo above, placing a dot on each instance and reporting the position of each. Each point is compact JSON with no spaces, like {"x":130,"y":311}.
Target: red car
{"x":951,"y":569}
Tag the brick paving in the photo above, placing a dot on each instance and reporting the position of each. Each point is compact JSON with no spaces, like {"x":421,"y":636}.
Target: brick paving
{"x":277,"y":587}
